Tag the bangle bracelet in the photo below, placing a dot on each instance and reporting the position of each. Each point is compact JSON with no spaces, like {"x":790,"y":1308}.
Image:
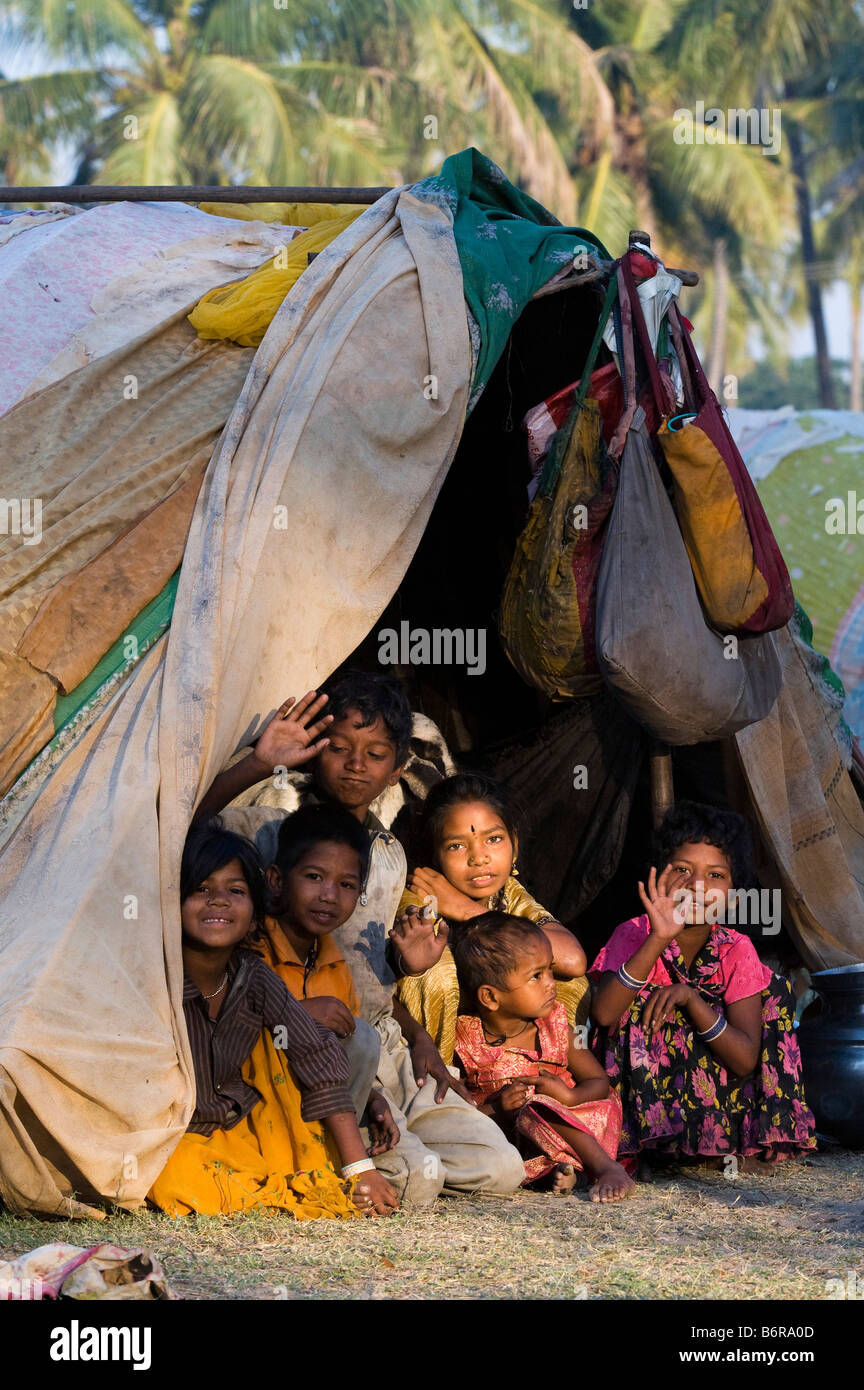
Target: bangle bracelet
{"x":714,"y":1031}
{"x":363,"y":1165}
{"x":628,"y":980}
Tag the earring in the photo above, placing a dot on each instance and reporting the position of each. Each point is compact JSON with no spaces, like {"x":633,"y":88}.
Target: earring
{"x":513,"y":870}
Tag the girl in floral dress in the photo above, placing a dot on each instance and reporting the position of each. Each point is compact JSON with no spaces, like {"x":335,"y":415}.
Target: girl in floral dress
{"x":695,"y":1032}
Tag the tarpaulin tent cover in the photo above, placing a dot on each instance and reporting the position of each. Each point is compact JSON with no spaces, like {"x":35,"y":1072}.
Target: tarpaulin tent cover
{"x":95,"y":1061}
{"x":308,"y":516}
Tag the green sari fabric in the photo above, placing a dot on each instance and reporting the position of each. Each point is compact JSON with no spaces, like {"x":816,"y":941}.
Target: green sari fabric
{"x":509,"y":245}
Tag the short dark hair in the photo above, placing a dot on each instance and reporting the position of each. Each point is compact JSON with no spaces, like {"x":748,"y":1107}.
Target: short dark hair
{"x":375,"y":695}
{"x":455,"y":791}
{"x":693,"y":822}
{"x":319,"y":824}
{"x":487,"y":949}
{"x":210,"y":846}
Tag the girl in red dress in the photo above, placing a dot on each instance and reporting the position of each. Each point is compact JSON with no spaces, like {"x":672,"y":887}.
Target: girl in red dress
{"x":525,"y":1065}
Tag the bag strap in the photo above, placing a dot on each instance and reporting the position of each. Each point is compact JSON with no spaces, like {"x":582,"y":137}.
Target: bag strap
{"x":638,"y":322}
{"x":555,"y":457}
{"x":696,"y":387}
{"x":609,"y":300}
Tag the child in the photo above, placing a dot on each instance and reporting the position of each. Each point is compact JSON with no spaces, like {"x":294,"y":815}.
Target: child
{"x":522,"y":1060}
{"x":255,"y":1139}
{"x":321,"y":862}
{"x":443,"y":1139}
{"x":698,"y":1032}
{"x":468,"y":831}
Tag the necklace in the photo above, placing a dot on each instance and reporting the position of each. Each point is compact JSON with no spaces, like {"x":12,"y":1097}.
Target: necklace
{"x":219,"y":990}
{"x":497,"y":1039}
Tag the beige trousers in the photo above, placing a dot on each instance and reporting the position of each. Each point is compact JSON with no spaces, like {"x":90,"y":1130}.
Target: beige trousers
{"x":448,"y":1145}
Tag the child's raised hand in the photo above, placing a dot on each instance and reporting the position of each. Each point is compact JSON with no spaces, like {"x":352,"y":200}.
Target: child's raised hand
{"x":415,"y":939}
{"x":383,"y":1130}
{"x":293,"y":736}
{"x":447,"y":900}
{"x":663,"y":903}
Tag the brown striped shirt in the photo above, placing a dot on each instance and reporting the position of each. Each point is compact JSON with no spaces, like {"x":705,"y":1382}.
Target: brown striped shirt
{"x":258,"y":999}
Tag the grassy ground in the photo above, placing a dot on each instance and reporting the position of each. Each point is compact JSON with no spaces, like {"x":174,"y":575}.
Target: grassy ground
{"x":697,"y":1234}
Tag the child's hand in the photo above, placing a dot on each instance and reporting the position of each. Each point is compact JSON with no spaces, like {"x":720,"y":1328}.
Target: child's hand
{"x":330,"y":1013}
{"x":429,"y":1065}
{"x":662,"y":1004}
{"x":666,"y":906}
{"x":383,"y":1130}
{"x":515,"y":1094}
{"x":291,"y":739}
{"x":447,"y":901}
{"x":553,"y":1087}
{"x":414,"y":937}
{"x":373,"y":1195}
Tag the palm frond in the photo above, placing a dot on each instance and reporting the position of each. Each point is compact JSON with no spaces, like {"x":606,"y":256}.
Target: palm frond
{"x":233,"y":111}
{"x":142,"y":144}
{"x":84,"y":30}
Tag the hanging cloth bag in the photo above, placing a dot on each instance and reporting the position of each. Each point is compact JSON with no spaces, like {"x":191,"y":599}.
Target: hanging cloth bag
{"x":546,"y":619}
{"x":742,"y":578}
{"x":681,"y":680}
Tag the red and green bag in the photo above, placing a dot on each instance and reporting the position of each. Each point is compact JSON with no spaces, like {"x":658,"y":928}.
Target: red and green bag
{"x":741,"y":576}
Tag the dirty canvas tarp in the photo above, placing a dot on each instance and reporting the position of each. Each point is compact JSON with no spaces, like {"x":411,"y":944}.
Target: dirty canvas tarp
{"x":324,"y":459}
{"x":63,"y":281}
{"x":116,"y":472}
{"x":809,"y":814}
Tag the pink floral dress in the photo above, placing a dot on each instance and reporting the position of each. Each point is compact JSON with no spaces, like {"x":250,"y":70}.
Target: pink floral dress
{"x":676,"y":1095}
{"x":486,"y":1069}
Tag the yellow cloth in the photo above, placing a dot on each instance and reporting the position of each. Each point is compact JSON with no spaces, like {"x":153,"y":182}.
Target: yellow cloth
{"x":291,"y":214}
{"x":244,"y":310}
{"x":270,"y":1159}
{"x":433,"y":998}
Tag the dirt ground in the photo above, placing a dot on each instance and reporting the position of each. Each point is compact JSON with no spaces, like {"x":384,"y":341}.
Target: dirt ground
{"x":693,"y":1235}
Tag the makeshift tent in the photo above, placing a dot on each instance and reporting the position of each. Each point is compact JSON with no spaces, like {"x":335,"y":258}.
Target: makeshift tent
{"x":347,"y":493}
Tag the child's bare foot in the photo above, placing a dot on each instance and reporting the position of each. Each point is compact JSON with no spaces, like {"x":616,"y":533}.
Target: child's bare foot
{"x":563,"y":1179}
{"x":751,"y":1164}
{"x":612,"y":1185}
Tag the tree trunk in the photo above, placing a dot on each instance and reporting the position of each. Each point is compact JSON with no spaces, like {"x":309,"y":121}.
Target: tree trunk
{"x":719,"y":319}
{"x":808,"y":252}
{"x":856,"y":398}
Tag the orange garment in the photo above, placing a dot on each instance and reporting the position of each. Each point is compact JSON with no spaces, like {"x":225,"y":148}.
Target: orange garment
{"x":329,"y":975}
{"x":269,"y":1159}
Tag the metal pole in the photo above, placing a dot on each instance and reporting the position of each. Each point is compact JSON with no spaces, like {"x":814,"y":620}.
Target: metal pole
{"x":188,"y":193}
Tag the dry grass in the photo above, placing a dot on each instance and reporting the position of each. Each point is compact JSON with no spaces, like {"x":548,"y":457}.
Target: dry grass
{"x":698,"y":1235}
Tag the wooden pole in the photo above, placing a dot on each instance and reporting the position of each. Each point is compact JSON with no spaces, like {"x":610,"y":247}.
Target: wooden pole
{"x":188,"y":193}
{"x":662,"y":788}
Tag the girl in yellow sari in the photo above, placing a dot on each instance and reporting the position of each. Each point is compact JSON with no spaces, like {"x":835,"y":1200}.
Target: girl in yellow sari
{"x":469,"y":835}
{"x":273,"y":1125}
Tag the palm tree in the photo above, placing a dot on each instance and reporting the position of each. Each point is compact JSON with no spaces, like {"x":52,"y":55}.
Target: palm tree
{"x":313,"y":90}
{"x":180,"y":92}
{"x":775,"y":58}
